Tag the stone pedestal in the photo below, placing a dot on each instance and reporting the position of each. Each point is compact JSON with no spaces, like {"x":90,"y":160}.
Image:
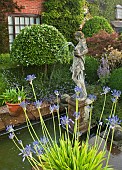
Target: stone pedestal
{"x":84,"y":114}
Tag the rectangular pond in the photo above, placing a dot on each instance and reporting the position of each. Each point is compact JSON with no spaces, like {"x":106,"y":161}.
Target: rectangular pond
{"x":9,"y":158}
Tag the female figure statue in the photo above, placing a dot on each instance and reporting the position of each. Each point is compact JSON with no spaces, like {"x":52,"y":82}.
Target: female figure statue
{"x":78,"y":68}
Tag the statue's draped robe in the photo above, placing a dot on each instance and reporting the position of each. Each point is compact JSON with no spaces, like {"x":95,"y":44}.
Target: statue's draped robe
{"x":78,"y":65}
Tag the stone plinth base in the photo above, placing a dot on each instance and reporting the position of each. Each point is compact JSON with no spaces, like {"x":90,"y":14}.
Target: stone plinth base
{"x":84,"y":114}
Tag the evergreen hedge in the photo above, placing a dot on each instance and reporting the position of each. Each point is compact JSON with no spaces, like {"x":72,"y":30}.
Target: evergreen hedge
{"x":115,"y":81}
{"x":95,"y":24}
{"x":66,"y":16}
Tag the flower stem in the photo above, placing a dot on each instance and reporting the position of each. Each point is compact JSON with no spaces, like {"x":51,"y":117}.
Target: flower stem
{"x":98,"y":128}
{"x":110,"y":147}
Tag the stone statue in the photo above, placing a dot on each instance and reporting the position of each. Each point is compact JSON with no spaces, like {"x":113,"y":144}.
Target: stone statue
{"x":78,"y":68}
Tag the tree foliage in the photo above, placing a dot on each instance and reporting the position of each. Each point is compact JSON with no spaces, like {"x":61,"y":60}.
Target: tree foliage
{"x":100,"y":41}
{"x":40,"y":44}
{"x":65,"y":15}
{"x":115,"y":81}
{"x":95,"y":24}
{"x":105,"y":8}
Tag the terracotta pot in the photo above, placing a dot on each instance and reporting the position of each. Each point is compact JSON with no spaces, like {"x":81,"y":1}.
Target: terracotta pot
{"x":14,"y":109}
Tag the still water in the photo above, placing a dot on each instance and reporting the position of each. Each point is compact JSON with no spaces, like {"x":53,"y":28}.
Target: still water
{"x":9,"y":158}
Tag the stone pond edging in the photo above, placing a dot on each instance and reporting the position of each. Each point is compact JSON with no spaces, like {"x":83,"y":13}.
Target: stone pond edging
{"x":7,"y":119}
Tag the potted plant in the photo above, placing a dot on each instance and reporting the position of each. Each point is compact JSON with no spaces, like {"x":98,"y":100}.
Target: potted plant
{"x":12,"y":98}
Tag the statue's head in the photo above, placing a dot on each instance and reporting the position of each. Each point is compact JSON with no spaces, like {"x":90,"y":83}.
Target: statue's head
{"x":79,"y":35}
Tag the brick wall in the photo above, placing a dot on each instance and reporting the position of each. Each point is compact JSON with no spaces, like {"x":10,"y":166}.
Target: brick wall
{"x":30,"y":6}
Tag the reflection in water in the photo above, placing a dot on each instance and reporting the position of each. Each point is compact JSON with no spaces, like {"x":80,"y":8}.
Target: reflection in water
{"x":9,"y":158}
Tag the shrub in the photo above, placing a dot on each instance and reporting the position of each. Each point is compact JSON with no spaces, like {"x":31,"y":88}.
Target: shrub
{"x":114,"y":59}
{"x":4,"y":58}
{"x":115,"y":81}
{"x":94,"y":25}
{"x":118,"y":44}
{"x":105,"y":8}
{"x":103,"y":72}
{"x":39,"y":44}
{"x":5,"y":61}
{"x":96,"y":89}
{"x":3,"y":86}
{"x":91,"y":66}
{"x":98,"y":42}
{"x":72,"y":12}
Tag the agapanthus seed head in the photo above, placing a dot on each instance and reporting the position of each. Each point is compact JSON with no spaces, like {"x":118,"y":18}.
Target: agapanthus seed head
{"x":56,"y":92}
{"x":77,"y":89}
{"x":35,"y":142}
{"x":38,"y":104}
{"x":11,"y":135}
{"x":26,"y":152}
{"x":9,"y":128}
{"x":116,"y":93}
{"x":44,"y":140}
{"x":30,"y":78}
{"x":56,"y":107}
{"x":76,"y":115}
{"x":106,"y":89}
{"x":113,"y":121}
{"x":52,"y":108}
{"x":92,"y":97}
{"x":114,"y":100}
{"x":65,"y":121}
{"x":23,"y":104}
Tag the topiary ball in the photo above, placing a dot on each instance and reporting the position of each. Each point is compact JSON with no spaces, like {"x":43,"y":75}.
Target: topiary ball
{"x":95,"y":24}
{"x":115,"y":81}
{"x":39,"y":44}
{"x":91,"y":67}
